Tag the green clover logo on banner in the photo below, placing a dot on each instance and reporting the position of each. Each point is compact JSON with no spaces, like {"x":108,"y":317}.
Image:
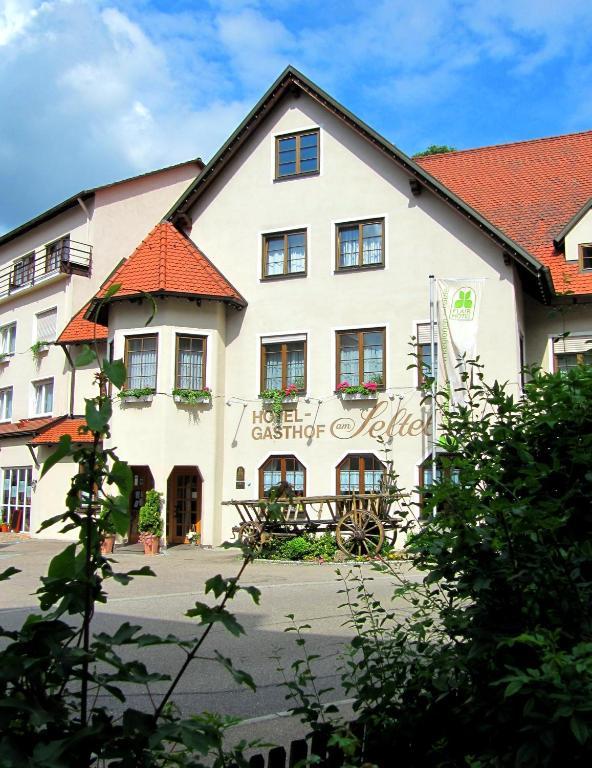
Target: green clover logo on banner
{"x":463,"y":304}
{"x":464,"y":300}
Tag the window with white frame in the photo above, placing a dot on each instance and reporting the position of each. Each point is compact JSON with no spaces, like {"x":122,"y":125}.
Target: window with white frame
{"x":6,"y":404}
{"x":7,"y":339}
{"x":47,"y":325}
{"x":572,"y":351}
{"x":42,"y":397}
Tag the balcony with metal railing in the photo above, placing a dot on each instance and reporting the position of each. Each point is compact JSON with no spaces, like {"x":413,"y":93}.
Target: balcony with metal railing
{"x":63,"y":257}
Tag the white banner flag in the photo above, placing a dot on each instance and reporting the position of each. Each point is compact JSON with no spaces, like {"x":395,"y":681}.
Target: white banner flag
{"x":459,"y":302}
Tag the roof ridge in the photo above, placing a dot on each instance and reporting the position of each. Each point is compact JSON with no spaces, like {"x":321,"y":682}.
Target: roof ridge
{"x":537,"y":140}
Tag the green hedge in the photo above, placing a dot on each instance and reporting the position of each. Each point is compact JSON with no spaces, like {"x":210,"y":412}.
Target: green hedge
{"x":307,"y":546}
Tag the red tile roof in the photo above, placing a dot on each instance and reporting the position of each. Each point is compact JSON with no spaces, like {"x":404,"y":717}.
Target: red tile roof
{"x":26,"y":426}
{"x":80,"y":330}
{"x":71,"y":425}
{"x":530,"y":190}
{"x":168,"y":262}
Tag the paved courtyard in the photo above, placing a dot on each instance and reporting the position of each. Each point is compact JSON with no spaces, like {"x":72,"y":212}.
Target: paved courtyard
{"x":309,"y":591}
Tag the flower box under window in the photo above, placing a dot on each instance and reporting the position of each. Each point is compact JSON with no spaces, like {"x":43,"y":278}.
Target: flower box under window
{"x":358,"y":395}
{"x":192,"y":397}
{"x":134,"y":399}
{"x":287,"y":400}
{"x":135,"y":396}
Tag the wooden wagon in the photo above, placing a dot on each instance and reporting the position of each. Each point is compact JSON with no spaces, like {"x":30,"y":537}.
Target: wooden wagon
{"x":361,"y":522}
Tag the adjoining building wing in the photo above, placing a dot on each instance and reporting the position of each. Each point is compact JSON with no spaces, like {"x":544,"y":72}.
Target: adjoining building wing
{"x":529,"y":189}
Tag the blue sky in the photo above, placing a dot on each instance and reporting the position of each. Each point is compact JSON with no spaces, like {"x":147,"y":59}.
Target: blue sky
{"x":93,"y":91}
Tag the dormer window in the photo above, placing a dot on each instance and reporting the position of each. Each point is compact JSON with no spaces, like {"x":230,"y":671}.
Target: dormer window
{"x":586,"y":256}
{"x":297,"y":154}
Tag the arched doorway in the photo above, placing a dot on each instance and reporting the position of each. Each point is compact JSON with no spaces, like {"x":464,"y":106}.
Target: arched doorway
{"x":183,"y":503}
{"x":142,"y":482}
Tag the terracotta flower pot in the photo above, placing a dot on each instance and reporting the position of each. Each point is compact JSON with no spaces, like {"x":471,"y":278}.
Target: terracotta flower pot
{"x":107,"y":544}
{"x":151,"y":544}
{"x":4,"y":528}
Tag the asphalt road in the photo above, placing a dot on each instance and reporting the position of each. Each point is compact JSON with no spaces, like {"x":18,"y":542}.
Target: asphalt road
{"x":309,"y":591}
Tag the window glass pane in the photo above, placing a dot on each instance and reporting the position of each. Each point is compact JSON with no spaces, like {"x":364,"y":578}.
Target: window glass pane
{"x":275,"y":256}
{"x":8,"y":339}
{"x":349,"y":358}
{"x":190,"y":363}
{"x":49,"y":397}
{"x":287,"y":156}
{"x":296,"y":252}
{"x":425,"y":353}
{"x":372,"y":244}
{"x":573,"y":359}
{"x":273,"y":366}
{"x":373,"y":357}
{"x":308,"y":164}
{"x":141,"y":362}
{"x":295,"y":362}
{"x":349,"y":248}
{"x":288,"y":144}
{"x":349,"y":481}
{"x":308,"y":141}
{"x":372,"y":480}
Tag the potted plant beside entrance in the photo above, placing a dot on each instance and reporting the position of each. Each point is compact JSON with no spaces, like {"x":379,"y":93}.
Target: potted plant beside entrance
{"x":108,"y":535}
{"x":150,"y":523}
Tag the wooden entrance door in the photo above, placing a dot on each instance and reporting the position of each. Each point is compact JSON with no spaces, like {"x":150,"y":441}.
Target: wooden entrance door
{"x":143,"y":481}
{"x":184,"y":503}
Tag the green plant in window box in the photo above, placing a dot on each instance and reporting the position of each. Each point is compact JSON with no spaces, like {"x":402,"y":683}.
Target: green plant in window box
{"x":140,"y":393}
{"x":277,"y":397}
{"x":38,"y":348}
{"x":192,"y":396}
{"x":4,"y":356}
{"x":366,"y":390}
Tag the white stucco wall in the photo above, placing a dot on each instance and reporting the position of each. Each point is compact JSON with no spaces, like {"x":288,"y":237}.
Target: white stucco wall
{"x":422,"y":235}
{"x":545,"y":323}
{"x":163,"y":434}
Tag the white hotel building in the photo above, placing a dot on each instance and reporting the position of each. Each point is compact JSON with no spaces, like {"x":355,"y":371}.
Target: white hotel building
{"x":300,"y":255}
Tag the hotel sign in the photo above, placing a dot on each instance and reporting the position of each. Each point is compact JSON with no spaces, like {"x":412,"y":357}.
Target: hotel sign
{"x":371,"y":422}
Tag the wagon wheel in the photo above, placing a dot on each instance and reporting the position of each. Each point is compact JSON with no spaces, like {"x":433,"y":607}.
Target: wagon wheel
{"x":359,"y":532}
{"x":249,"y":534}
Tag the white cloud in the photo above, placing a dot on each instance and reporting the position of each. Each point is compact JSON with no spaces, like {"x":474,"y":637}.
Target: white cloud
{"x":101,"y":89}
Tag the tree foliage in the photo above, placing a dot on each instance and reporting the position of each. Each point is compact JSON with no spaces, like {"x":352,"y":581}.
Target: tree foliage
{"x":63,"y":687}
{"x":491,"y":665}
{"x":435,"y":149}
